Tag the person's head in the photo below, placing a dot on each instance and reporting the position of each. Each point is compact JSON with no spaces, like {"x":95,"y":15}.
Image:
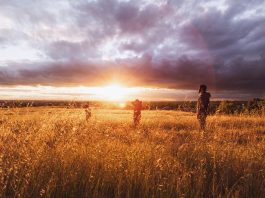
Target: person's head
{"x":203,"y":88}
{"x":86,"y":105}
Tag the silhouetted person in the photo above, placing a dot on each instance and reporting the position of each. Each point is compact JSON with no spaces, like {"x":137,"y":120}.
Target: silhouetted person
{"x":202,"y":106}
{"x":137,"y":108}
{"x":87,"y":111}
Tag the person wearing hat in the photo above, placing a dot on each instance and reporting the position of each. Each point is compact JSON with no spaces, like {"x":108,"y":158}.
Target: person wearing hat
{"x":202,"y":106}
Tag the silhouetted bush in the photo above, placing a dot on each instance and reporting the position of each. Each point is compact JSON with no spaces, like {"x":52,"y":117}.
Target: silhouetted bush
{"x":256,"y":106}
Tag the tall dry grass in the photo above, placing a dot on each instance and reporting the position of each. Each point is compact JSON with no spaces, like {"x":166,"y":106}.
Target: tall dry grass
{"x":47,"y":152}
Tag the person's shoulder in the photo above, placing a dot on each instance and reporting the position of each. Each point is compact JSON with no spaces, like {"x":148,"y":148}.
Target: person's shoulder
{"x":208,"y":94}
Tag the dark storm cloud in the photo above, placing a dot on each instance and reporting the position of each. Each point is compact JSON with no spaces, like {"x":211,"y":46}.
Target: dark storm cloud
{"x":180,"y":74}
{"x":127,"y":17}
{"x":61,"y":50}
{"x":226,"y":37}
{"x":60,"y":73}
{"x":173,"y":44}
{"x":138,"y":27}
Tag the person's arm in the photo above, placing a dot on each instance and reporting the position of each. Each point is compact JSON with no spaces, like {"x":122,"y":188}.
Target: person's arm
{"x":207,"y":109}
{"x":198,"y":107}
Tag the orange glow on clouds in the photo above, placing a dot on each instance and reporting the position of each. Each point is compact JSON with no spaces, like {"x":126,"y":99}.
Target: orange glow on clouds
{"x":112,"y":92}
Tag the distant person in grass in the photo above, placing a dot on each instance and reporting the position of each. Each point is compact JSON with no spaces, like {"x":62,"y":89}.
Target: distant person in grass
{"x":87,"y":111}
{"x":137,"y":108}
{"x":202,"y":106}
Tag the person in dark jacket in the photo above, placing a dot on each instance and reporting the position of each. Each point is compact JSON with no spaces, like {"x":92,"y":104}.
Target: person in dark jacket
{"x":202,"y":106}
{"x":137,"y":108}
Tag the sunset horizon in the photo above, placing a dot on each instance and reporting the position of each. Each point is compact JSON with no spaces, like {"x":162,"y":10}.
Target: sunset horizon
{"x":125,"y":94}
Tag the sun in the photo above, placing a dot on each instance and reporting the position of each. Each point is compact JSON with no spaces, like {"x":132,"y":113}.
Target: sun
{"x":113,"y":92}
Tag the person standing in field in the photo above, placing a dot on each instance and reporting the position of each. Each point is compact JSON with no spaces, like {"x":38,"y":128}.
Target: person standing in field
{"x":137,"y":108}
{"x":87,"y":111}
{"x":202,"y":106}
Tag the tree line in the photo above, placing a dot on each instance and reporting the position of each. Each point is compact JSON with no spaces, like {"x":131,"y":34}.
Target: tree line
{"x":255,"y":106}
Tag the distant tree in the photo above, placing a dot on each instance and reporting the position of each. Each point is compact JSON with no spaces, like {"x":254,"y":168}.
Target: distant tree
{"x":256,"y":106}
{"x":226,"y":107}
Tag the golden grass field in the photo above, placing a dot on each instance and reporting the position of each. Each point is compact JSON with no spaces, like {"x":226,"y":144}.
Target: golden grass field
{"x":54,"y":152}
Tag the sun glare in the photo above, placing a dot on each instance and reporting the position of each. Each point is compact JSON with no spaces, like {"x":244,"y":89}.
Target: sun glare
{"x":113,"y":92}
{"x":122,"y":105}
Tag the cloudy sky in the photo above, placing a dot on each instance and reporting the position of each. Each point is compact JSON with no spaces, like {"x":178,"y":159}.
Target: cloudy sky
{"x":166,"y":48}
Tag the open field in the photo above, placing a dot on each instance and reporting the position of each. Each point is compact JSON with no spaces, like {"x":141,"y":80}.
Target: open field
{"x":53,"y":152}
